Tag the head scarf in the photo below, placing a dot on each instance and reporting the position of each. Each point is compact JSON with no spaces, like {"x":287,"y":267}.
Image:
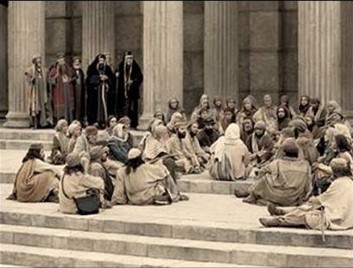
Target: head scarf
{"x":232,"y":134}
{"x":119,"y":132}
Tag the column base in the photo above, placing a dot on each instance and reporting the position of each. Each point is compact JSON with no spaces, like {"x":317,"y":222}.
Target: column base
{"x":144,"y":121}
{"x":17,"y":120}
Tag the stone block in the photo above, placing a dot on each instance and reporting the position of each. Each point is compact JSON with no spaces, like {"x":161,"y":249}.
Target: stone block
{"x":73,"y":223}
{"x":200,"y":187}
{"x":243,"y":5}
{"x":35,"y":260}
{"x":15,"y":218}
{"x":129,"y":32}
{"x":184,"y":185}
{"x":194,"y":7}
{"x":95,"y":225}
{"x":263,"y":5}
{"x":193,"y":70}
{"x":290,"y":30}
{"x":111,"y":226}
{"x":157,"y":230}
{"x":77,"y":36}
{"x":108,"y":246}
{"x":193,"y":30}
{"x":248,"y":258}
{"x":290,"y":72}
{"x":7,"y":237}
{"x":264,"y":72}
{"x":244,"y":71}
{"x":128,"y":8}
{"x":277,"y":260}
{"x":134,"y":229}
{"x":28,"y":239}
{"x":135,"y":248}
{"x":302,"y":260}
{"x":220,"y":187}
{"x":57,"y":38}
{"x":290,"y":5}
{"x":76,"y":8}
{"x":55,"y":9}
{"x":84,"y":244}
{"x":264,"y":31}
{"x":244,"y":30}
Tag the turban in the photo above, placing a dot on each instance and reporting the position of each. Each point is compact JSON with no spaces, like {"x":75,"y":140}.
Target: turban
{"x":260,"y":125}
{"x":91,"y":130}
{"x":299,"y":124}
{"x":73,"y":160}
{"x":339,"y":164}
{"x":290,"y":146}
{"x":72,"y":128}
{"x":133,"y":153}
{"x":96,"y":152}
{"x":124,"y":120}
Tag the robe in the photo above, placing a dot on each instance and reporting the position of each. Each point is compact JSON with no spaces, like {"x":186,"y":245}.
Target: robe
{"x":97,"y":169}
{"x":269,"y":116}
{"x":80,"y":95}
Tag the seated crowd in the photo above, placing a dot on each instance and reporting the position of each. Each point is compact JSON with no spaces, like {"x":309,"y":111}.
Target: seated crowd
{"x":295,"y":157}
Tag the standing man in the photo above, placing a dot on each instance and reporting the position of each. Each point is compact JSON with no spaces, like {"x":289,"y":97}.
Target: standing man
{"x":39,"y":100}
{"x":80,"y":92}
{"x":99,"y":82}
{"x":129,"y":80}
{"x":61,"y":76}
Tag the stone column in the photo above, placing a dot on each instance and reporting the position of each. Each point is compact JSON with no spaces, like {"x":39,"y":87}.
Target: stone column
{"x":3,"y":61}
{"x":26,"y":37}
{"x":221,"y":49}
{"x":162,"y":55}
{"x":319,"y":51}
{"x":98,"y":30}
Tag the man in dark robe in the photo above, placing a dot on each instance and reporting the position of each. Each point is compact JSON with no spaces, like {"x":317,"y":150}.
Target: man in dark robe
{"x":100,"y":80}
{"x":61,"y":76}
{"x":208,"y":135}
{"x":38,"y":98}
{"x":80,"y":92}
{"x":129,"y":80}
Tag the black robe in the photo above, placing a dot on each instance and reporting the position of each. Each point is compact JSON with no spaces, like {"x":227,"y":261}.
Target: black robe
{"x":133,"y":93}
{"x":80,"y":96}
{"x":97,"y":100}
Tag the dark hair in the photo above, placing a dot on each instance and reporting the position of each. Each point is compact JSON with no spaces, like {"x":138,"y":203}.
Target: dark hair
{"x":342,"y":172}
{"x":133,"y":164}
{"x":291,"y":154}
{"x":32,"y":154}
{"x":71,"y":170}
{"x":110,"y":117}
{"x":342,"y":143}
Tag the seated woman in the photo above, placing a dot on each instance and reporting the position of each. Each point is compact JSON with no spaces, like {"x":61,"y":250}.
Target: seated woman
{"x":304,"y":105}
{"x":231,"y":104}
{"x":229,"y":156}
{"x":119,"y":144}
{"x":36,"y":180}
{"x":204,"y":103}
{"x":284,"y":102}
{"x":74,"y":131}
{"x":108,"y":131}
{"x":248,"y":109}
{"x":283,"y":118}
{"x":227,"y":119}
{"x":60,"y":143}
{"x":217,"y":109}
{"x":176,"y":118}
{"x":76,"y":183}
{"x":285,"y":182}
{"x":141,"y":183}
{"x":173,"y":106}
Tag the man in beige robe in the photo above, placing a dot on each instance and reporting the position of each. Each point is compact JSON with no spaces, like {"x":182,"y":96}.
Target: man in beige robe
{"x":286,"y":181}
{"x":141,"y":183}
{"x":36,"y":180}
{"x":331,"y":210}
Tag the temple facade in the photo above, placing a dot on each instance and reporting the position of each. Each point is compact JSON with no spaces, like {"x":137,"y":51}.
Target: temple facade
{"x":185,"y":49}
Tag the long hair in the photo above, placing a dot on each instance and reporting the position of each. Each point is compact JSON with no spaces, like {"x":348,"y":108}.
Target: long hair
{"x":32,"y":154}
{"x":71,"y":170}
{"x":133,"y":164}
{"x":342,"y":143}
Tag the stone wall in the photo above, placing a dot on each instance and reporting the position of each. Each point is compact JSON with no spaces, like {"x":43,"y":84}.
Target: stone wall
{"x":3,"y":61}
{"x":267,"y":42}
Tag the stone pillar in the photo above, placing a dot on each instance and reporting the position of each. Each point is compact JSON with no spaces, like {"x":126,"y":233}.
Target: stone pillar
{"x":319,"y":51}
{"x":221,"y":49}
{"x":26,"y":37}
{"x":98,"y":30}
{"x":162,"y":55}
{"x":3,"y":61}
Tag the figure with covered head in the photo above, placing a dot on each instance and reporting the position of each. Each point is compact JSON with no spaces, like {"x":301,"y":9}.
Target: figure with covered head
{"x":80,"y":91}
{"x":39,"y":99}
{"x":100,"y":80}
{"x":130,"y":79}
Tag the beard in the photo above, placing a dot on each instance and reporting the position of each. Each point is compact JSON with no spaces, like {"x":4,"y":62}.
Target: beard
{"x":192,"y":134}
{"x":208,"y":131}
{"x":181,"y":135}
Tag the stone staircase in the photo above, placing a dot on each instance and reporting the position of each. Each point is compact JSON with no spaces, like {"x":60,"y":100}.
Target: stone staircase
{"x":212,"y":229}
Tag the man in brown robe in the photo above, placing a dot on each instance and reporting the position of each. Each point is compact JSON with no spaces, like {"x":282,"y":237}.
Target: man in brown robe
{"x":267,"y":113}
{"x":331,"y":210}
{"x":286,"y":181}
{"x":61,"y":76}
{"x":36,"y":181}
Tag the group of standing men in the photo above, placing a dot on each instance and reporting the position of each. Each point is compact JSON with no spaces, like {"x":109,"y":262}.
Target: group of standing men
{"x":64,"y":92}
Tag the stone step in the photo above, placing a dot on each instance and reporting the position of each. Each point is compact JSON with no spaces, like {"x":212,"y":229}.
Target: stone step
{"x":23,"y":144}
{"x":48,"y":257}
{"x":178,"y":249}
{"x":133,"y":221}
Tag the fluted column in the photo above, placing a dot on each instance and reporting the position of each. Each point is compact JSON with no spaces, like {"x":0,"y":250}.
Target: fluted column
{"x":26,"y":37}
{"x":162,"y":55}
{"x":98,"y":30}
{"x":320,"y":47}
{"x":221,"y":48}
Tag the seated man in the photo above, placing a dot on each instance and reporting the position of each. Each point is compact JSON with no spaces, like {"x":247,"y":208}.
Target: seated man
{"x":96,"y":168}
{"x":286,"y":181}
{"x":76,"y":183}
{"x":331,"y":210}
{"x":230,"y":156}
{"x":192,"y":147}
{"x":60,"y":143}
{"x":36,"y":181}
{"x":141,"y":183}
{"x":119,"y":143}
{"x":208,"y":135}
